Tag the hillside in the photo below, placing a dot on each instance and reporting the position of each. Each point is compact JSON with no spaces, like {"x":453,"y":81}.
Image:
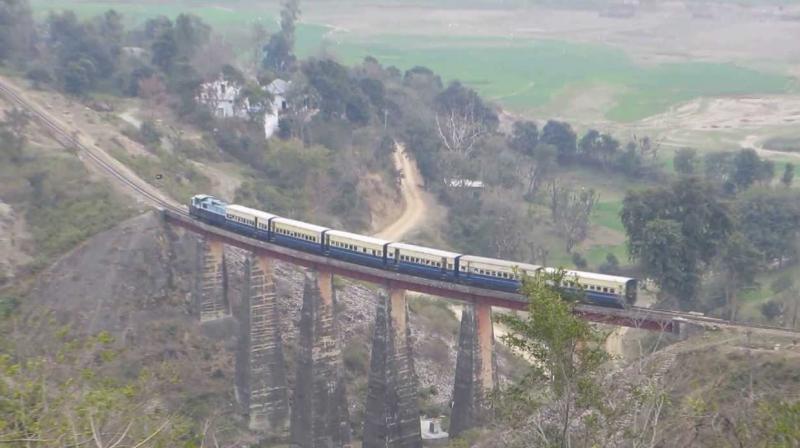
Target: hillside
{"x":133,"y":284}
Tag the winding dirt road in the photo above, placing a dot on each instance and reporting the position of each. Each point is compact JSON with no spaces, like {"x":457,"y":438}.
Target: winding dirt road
{"x":416,"y":200}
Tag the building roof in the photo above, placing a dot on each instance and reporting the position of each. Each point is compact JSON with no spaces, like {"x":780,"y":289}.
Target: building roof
{"x":279,"y":87}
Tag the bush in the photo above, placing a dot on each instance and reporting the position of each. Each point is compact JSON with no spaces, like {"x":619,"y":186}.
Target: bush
{"x":7,"y":306}
{"x":579,"y":261}
{"x":149,"y":134}
{"x":771,"y":310}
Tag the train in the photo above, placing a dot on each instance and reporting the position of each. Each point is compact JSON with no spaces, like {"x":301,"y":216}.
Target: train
{"x":483,"y":272}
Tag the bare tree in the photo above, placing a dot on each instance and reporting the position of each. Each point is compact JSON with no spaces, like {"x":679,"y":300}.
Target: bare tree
{"x":460,"y":129}
{"x":571,"y":211}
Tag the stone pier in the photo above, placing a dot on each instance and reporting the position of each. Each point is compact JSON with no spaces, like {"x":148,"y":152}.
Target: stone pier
{"x":268,"y":401}
{"x":319,"y":416}
{"x":392,"y":414}
{"x":212,"y":300}
{"x":476,"y":369}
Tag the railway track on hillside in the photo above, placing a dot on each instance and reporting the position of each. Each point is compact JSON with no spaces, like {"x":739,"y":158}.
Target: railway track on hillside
{"x":152,"y":195}
{"x":98,"y":157}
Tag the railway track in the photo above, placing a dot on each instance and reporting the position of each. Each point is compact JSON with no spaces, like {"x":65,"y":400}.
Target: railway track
{"x":157,"y":199}
{"x":68,"y":140}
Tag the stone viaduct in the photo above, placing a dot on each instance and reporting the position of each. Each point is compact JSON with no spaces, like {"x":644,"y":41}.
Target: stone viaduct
{"x":318,"y":414}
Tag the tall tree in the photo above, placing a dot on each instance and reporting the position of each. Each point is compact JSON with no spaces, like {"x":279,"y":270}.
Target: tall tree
{"x":747,"y":166}
{"x":685,"y":161}
{"x":16,"y":29}
{"x":572,"y":212}
{"x":164,"y":48}
{"x":675,"y":232}
{"x":788,"y":175}
{"x":462,"y":118}
{"x":739,"y":261}
{"x":279,"y":51}
{"x":560,"y":389}
{"x":524,"y":137}
{"x":560,"y":135}
{"x":770,"y":221}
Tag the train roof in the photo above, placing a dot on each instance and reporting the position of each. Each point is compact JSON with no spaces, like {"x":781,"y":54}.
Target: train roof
{"x":499,"y":262}
{"x":301,"y":224}
{"x":601,"y":277}
{"x":250,"y":211}
{"x":423,"y":249}
{"x":357,"y":237}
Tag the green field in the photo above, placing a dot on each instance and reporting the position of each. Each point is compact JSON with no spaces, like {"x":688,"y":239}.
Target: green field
{"x":522,"y":75}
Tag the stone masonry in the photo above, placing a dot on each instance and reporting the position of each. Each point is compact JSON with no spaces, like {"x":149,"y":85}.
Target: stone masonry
{"x":319,"y":416}
{"x":392,"y":414}
{"x":212,"y":299}
{"x":476,"y":369}
{"x":268,"y":393}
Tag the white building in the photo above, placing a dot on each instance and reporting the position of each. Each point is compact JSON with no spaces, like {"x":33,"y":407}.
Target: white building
{"x":278,"y":89}
{"x":221,"y":95}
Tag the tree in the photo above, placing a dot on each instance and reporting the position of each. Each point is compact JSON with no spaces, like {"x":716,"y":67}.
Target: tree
{"x":560,"y":135}
{"x":675,"y":232}
{"x":164,"y":48}
{"x":544,"y":162}
{"x":87,"y":52}
{"x":462,"y":118}
{"x":788,"y":175}
{"x":685,"y":161}
{"x":560,"y":389}
{"x":739,"y":262}
{"x":62,"y":400}
{"x":16,"y":30}
{"x":78,"y":76}
{"x":279,"y":51}
{"x":12,"y":135}
{"x":589,"y":144}
{"x":190,"y":34}
{"x":572,"y":212}
{"x":770,"y":221}
{"x":747,"y":165}
{"x":524,"y":137}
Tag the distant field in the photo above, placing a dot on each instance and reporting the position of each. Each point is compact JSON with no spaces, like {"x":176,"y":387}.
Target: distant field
{"x":524,"y":75}
{"x":530,"y":75}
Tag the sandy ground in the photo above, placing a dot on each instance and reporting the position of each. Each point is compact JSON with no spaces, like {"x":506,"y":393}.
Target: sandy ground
{"x":730,"y":122}
{"x":416,"y":201}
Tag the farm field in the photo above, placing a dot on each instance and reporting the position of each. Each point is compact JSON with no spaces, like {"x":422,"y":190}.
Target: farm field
{"x":531,"y":76}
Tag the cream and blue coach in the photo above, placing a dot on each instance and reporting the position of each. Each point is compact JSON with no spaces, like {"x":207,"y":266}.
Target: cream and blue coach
{"x":493,"y":273}
{"x":599,"y":289}
{"x":354,"y":247}
{"x":298,"y":234}
{"x":420,"y":260}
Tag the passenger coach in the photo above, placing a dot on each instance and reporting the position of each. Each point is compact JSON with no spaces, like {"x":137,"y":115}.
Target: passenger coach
{"x":490,"y":273}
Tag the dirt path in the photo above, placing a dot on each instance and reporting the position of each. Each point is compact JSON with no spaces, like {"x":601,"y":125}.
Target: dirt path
{"x":415,"y":199}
